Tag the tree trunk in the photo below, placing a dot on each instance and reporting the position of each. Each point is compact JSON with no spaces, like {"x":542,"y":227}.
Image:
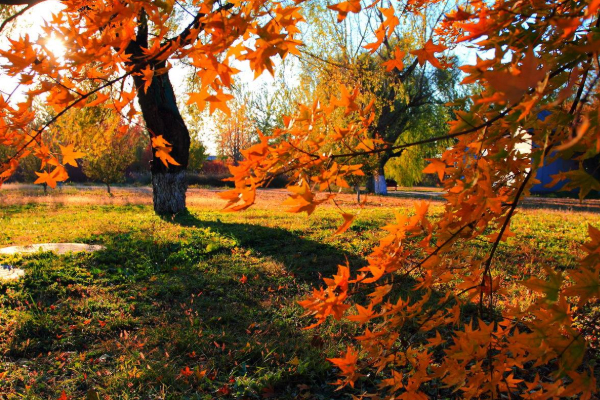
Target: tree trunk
{"x":162,"y":117}
{"x":168,"y":192}
{"x":376,"y":182}
{"x":379,"y":185}
{"x":379,"y":178}
{"x":357,"y":188}
{"x":108,"y":189}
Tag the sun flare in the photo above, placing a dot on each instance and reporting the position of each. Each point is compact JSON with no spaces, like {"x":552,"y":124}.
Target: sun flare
{"x":55,"y":46}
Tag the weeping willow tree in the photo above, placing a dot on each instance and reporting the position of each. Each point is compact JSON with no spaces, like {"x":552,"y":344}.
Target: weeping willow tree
{"x":420,"y":123}
{"x":407,"y":169}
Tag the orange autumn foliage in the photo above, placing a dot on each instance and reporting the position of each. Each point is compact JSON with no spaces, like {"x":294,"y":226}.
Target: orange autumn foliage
{"x":98,"y":61}
{"x":424,"y":342}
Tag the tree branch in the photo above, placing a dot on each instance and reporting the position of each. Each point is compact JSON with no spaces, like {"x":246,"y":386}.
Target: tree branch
{"x":195,"y":24}
{"x":29,"y":3}
{"x":15,"y":15}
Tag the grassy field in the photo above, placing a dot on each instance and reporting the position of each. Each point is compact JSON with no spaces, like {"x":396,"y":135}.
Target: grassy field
{"x":202,"y":305}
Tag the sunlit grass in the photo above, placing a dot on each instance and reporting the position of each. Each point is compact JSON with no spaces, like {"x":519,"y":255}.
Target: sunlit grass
{"x":213,"y":292}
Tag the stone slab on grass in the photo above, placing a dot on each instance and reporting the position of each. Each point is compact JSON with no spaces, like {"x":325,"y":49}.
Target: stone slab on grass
{"x":58,"y":248}
{"x":10,"y":273}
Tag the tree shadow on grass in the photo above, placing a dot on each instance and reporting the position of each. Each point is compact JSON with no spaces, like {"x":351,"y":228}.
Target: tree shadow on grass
{"x":307,"y":259}
{"x":211,"y":312}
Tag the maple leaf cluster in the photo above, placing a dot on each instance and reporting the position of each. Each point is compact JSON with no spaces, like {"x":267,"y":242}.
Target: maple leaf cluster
{"x":539,"y":93}
{"x":105,"y":45}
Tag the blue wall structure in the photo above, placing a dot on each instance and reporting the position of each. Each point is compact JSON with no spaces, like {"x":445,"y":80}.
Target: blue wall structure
{"x":545,"y":172}
{"x":543,"y":175}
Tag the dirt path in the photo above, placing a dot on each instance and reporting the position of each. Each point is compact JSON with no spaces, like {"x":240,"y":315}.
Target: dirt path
{"x":266,"y":198}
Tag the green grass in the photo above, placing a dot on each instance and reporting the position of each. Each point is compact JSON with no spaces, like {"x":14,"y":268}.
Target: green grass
{"x":166,"y":296}
{"x":216,"y":293}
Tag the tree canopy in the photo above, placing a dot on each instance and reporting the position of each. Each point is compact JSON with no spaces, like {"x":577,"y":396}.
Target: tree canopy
{"x":123,"y":51}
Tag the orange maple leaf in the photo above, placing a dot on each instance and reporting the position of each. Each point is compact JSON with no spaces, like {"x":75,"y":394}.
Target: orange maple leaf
{"x":219,"y":101}
{"x":159,"y":141}
{"x":586,"y":285}
{"x":59,"y":173}
{"x":396,"y":62}
{"x":515,"y":82}
{"x":347,"y":365}
{"x":364,"y":314}
{"x":162,"y":150}
{"x":458,"y":15}
{"x":427,"y":53}
{"x":484,"y":25}
{"x":345,"y":7}
{"x":147,"y":75}
{"x":69,"y":155}
{"x":435,"y":167}
{"x":348,"y":218}
{"x":46,"y":178}
{"x":584,"y":383}
{"x":303,"y":199}
{"x":240,"y":198}
{"x":390,"y":21}
{"x":163,"y":154}
{"x":347,"y":100}
{"x":200,"y":374}
{"x":186,"y":372}
{"x":100,"y":98}
{"x":199,"y":98}
{"x":550,"y":288}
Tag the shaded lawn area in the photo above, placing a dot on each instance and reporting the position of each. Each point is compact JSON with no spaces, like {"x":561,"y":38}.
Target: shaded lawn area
{"x":201,"y":306}
{"x":198,"y":307}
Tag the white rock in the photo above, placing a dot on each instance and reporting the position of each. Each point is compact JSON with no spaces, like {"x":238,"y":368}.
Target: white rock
{"x":10,"y":273}
{"x":58,"y":248}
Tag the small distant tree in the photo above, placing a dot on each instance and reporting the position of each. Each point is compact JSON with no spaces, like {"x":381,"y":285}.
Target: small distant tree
{"x":197,"y":155}
{"x":109,"y":157}
{"x":108,"y":141}
{"x":235,"y":132}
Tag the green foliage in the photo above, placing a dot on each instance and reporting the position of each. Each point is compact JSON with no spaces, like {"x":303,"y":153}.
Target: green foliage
{"x":410,"y":103}
{"x":109,"y":143}
{"x":407,"y":168}
{"x":197,"y":155}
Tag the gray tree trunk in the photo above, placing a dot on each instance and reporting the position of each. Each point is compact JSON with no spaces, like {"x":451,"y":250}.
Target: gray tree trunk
{"x":379,"y":186}
{"x":168,"y":192}
{"x":162,"y":117}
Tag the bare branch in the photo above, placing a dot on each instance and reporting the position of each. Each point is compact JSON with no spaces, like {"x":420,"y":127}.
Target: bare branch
{"x":15,"y":15}
{"x":29,"y":3}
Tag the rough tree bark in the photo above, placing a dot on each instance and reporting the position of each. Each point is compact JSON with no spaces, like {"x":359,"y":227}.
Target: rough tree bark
{"x":162,"y":117}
